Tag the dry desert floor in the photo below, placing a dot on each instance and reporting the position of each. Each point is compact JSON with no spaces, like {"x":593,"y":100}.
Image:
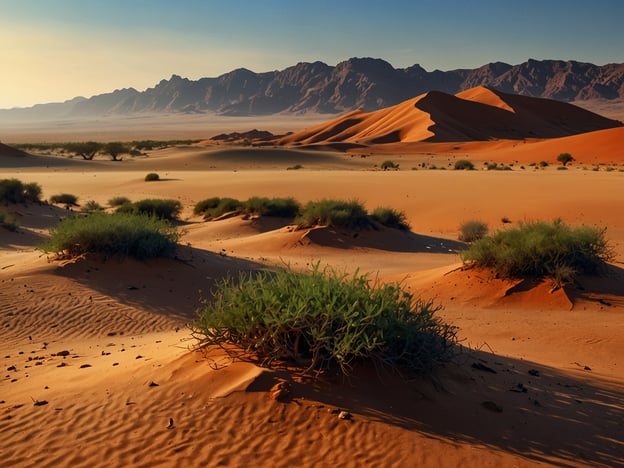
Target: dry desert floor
{"x":96,"y":355}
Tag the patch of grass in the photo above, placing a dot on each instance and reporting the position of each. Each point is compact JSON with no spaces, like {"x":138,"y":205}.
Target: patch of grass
{"x":162,"y":208}
{"x":472,"y":230}
{"x":7,"y":221}
{"x":123,"y":234}
{"x":541,"y":249}
{"x":15,"y":191}
{"x":215,"y":206}
{"x":335,"y":213}
{"x":278,"y":207}
{"x":151,"y":177}
{"x":91,"y":206}
{"x":118,"y":201}
{"x":463,"y":165}
{"x":66,"y":199}
{"x":388,"y":164}
{"x":323,"y":319}
{"x":391,"y":218}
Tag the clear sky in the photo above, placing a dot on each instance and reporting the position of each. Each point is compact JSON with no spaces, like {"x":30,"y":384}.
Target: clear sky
{"x":53,"y":50}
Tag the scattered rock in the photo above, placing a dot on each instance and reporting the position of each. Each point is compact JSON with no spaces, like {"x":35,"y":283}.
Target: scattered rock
{"x":40,"y":402}
{"x":62,"y":353}
{"x":84,"y":366}
{"x":345,"y":415}
{"x":138,"y":357}
{"x":152,"y":384}
{"x":280,"y":391}
{"x":115,"y":363}
{"x":490,"y":405}
{"x":534,"y":372}
{"x":520,"y":388}
{"x":12,"y":368}
{"x":62,"y":364}
{"x":171,"y":425}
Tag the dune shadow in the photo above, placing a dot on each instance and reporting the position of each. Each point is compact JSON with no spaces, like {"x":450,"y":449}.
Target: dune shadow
{"x":606,"y":287}
{"x":381,"y":238}
{"x":539,"y":413}
{"x":168,"y":286}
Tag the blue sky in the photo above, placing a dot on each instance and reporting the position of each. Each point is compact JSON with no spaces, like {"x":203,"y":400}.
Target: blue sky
{"x":52,"y":50}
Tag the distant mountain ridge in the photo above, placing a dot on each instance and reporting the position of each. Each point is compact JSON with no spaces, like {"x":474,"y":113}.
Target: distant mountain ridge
{"x":358,"y":83}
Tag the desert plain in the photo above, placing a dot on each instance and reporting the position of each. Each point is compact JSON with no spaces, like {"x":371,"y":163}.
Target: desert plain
{"x":98,"y":362}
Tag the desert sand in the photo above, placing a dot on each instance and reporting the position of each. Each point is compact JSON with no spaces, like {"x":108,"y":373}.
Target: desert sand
{"x":98,"y":361}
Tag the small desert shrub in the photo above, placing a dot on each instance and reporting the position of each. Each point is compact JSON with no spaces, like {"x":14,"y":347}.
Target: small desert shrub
{"x":391,"y":218}
{"x":91,"y":206}
{"x":151,"y":177}
{"x":471,"y":231}
{"x":278,"y":207}
{"x":215,"y":206}
{"x":112,"y":234}
{"x":323,"y":319}
{"x":64,"y":199}
{"x":118,"y":201}
{"x":7,"y":221}
{"x":565,"y":158}
{"x":296,"y":167}
{"x":543,"y":164}
{"x":14,"y":191}
{"x":463,"y":165}
{"x":335,"y":213}
{"x":491,"y":166}
{"x":562,"y":168}
{"x":388,"y":164}
{"x":541,"y":249}
{"x":162,"y":208}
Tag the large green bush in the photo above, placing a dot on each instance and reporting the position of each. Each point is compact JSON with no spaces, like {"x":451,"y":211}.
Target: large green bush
{"x":215,"y":206}
{"x":112,"y":234}
{"x":541,"y":249}
{"x":322,"y":319}
{"x":335,"y":213}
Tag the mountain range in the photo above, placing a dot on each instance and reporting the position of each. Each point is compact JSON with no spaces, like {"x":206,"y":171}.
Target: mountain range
{"x":368,"y":84}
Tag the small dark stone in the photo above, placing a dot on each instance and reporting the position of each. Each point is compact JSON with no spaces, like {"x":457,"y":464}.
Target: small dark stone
{"x":63,"y":353}
{"x":12,"y":368}
{"x":153,"y":384}
{"x":40,"y":402}
{"x":62,"y":364}
{"x":490,"y":405}
{"x":534,"y":372}
{"x":84,"y":366}
{"x":483,"y":367}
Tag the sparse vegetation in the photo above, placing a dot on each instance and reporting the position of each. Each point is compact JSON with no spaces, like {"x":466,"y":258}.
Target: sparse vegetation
{"x":92,"y":206}
{"x":565,"y":158}
{"x":278,"y":207}
{"x":162,"y":208}
{"x":543,"y":164}
{"x":151,"y":177}
{"x":14,"y":191}
{"x":116,"y":150}
{"x":391,"y":218}
{"x":7,"y":221}
{"x":66,"y":199}
{"x":463,"y":165}
{"x":112,"y":234}
{"x":388,"y":164}
{"x":87,"y":150}
{"x":215,"y":206}
{"x":335,"y":213}
{"x":118,"y":201}
{"x":323,"y":319}
{"x":473,"y":230}
{"x":296,"y":167}
{"x":541,"y":249}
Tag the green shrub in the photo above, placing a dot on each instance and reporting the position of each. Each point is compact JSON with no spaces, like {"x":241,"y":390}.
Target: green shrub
{"x":112,"y":234}
{"x":388,"y":164}
{"x":471,"y":231}
{"x":14,"y":191}
{"x":543,"y":164}
{"x":204,"y":206}
{"x":278,"y":207}
{"x":334,"y":213}
{"x":64,"y":199}
{"x":7,"y":221}
{"x":152,"y":176}
{"x":162,"y":208}
{"x":91,"y":206}
{"x":541,"y":249}
{"x":492,"y":166}
{"x":118,"y":201}
{"x":323,"y":319}
{"x":565,"y":158}
{"x":463,"y":165}
{"x":391,"y":218}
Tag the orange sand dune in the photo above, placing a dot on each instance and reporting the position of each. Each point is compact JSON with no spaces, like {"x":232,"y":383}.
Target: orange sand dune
{"x":478,"y":114}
